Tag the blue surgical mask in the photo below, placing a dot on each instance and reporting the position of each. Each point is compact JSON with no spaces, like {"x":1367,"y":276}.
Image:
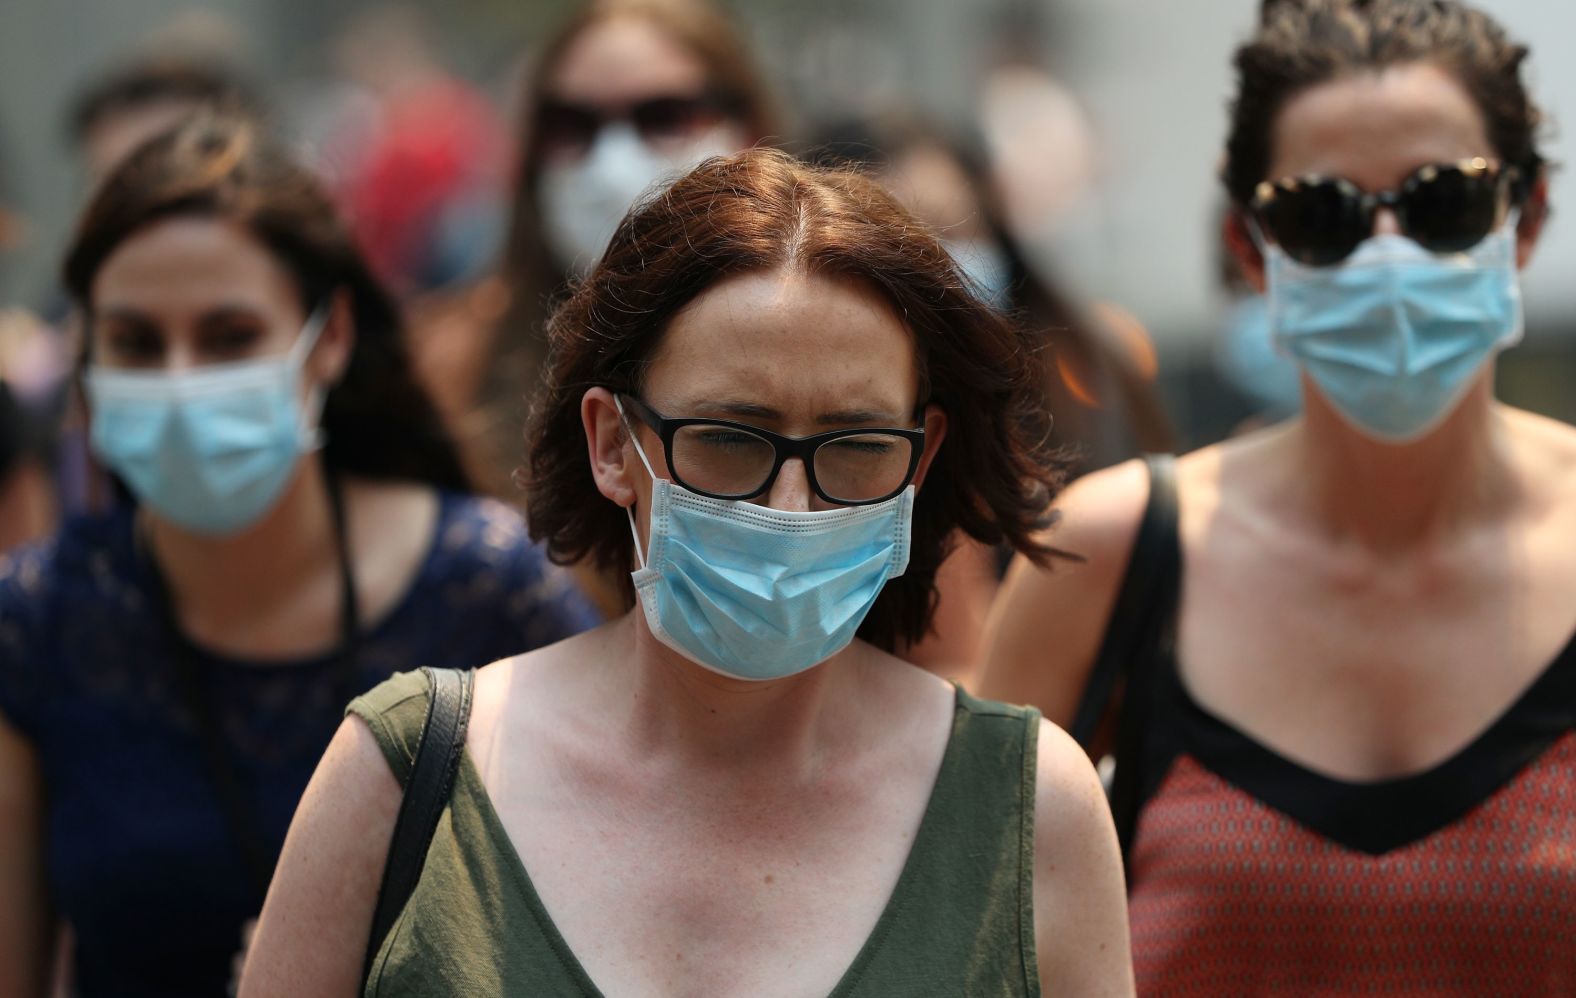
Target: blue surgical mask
{"x":210,"y":449}
{"x":582,"y":202}
{"x":1247,"y":359}
{"x":986,"y":265}
{"x":1394,"y":335}
{"x":758,"y":593}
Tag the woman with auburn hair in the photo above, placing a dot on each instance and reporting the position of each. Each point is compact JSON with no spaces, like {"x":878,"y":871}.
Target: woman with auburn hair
{"x":773,"y":401}
{"x":298,"y":528}
{"x":1346,"y":749}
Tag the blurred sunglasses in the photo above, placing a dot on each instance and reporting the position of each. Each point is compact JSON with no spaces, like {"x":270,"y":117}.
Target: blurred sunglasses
{"x":1445,"y":208}
{"x":565,"y":126}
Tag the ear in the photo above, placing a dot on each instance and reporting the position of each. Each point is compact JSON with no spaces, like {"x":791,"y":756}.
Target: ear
{"x":935,"y":433}
{"x":607,"y":443}
{"x":1238,"y":240}
{"x":330,"y":358}
{"x":1534,"y":213}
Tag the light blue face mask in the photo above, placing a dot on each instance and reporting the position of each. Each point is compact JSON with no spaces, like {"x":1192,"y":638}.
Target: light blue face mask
{"x":210,"y":449}
{"x":985,"y":264}
{"x":1247,"y":359}
{"x":1394,"y":335}
{"x":758,"y":593}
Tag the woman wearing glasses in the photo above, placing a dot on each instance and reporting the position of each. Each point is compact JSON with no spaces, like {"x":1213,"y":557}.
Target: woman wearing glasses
{"x":772,"y":403}
{"x":1345,"y":754}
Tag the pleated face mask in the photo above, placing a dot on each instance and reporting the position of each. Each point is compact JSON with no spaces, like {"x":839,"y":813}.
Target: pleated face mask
{"x":757,"y":593}
{"x":1395,"y":335}
{"x":210,"y":449}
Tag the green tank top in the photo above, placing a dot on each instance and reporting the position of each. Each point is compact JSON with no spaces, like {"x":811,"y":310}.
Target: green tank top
{"x":959,"y":922}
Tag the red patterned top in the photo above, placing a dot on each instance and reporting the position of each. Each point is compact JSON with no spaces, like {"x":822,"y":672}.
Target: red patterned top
{"x":1232,"y":897}
{"x":1250,"y":874}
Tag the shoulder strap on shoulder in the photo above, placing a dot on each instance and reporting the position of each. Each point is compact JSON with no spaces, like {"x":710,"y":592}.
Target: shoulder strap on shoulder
{"x":426,"y":794}
{"x":1149,"y":631}
{"x":1141,"y":606}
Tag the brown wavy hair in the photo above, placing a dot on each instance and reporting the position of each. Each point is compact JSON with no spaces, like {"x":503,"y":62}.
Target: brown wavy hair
{"x":1302,"y":43}
{"x":994,"y":475}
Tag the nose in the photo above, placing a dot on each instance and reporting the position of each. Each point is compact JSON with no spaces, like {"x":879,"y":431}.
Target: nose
{"x":1386,"y":223}
{"x":791,"y":490}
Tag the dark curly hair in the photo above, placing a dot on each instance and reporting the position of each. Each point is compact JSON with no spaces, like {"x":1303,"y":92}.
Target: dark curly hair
{"x":993,"y":477}
{"x":1302,"y":43}
{"x":378,"y":421}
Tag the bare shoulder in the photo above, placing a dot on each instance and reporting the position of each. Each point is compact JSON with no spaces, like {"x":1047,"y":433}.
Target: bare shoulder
{"x":1045,"y":627}
{"x":313,"y":931}
{"x":1072,"y":817}
{"x":1547,"y":446}
{"x":1080,"y":902}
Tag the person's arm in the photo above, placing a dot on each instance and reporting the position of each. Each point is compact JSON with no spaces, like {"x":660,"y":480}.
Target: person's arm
{"x":1047,"y":624}
{"x":312,"y":936}
{"x":1080,"y":901}
{"x":27,"y":922}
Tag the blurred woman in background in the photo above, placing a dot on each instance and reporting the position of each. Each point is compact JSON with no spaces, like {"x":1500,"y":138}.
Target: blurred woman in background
{"x":624,"y":95}
{"x":301,"y":529}
{"x":1347,"y":743}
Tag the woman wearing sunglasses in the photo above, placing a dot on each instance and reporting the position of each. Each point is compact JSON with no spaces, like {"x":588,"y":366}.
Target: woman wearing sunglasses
{"x":771,"y":405}
{"x":1345,"y":752}
{"x":624,"y":95}
{"x":298,"y":530}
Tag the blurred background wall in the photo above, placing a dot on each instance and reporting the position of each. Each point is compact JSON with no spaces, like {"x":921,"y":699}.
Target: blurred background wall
{"x":1120,"y":186}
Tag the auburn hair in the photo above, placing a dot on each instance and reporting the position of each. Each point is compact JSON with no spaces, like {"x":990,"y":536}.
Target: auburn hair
{"x":993,"y":477}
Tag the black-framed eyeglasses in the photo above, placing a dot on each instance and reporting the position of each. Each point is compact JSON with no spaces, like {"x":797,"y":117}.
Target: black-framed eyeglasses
{"x":1445,"y":208}
{"x":722,"y":459}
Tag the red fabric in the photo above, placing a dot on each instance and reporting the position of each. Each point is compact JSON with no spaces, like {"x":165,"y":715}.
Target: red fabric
{"x":1233,"y":898}
{"x":433,"y":144}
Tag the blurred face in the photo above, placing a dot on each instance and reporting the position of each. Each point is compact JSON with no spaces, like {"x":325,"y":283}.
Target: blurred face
{"x":790,"y":353}
{"x":189,"y":292}
{"x":625,"y":69}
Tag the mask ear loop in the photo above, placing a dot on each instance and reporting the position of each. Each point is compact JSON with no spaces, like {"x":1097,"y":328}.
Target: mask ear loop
{"x":629,"y":510}
{"x":312,"y":436}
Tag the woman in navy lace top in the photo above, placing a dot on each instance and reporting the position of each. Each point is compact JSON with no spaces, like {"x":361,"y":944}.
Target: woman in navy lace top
{"x":300,"y":529}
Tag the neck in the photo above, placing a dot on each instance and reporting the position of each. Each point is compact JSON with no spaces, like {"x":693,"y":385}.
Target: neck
{"x":670,"y":705}
{"x":219,"y":580}
{"x":1389,"y":496}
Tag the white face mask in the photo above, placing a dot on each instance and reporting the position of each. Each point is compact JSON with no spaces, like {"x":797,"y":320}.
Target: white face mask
{"x":583,"y":202}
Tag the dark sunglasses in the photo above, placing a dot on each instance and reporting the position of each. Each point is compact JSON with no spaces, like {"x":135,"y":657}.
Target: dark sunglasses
{"x":566,"y":126}
{"x":723,"y":459}
{"x":1445,"y":208}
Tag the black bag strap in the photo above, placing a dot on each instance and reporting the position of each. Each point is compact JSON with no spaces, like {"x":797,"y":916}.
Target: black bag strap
{"x":1133,"y":626}
{"x":1144,"y":614}
{"x":426,"y":795}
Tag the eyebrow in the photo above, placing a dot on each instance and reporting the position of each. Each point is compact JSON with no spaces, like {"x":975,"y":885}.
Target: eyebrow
{"x":754,"y":410}
{"x":128,"y":314}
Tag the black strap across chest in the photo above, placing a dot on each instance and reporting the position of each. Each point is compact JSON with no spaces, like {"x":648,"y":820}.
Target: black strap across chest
{"x":1123,"y":674}
{"x":1136,"y":677}
{"x":196,"y":688}
{"x":427,"y":792}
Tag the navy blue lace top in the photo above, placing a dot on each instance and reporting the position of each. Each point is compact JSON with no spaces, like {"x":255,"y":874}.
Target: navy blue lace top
{"x":141,"y":861}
